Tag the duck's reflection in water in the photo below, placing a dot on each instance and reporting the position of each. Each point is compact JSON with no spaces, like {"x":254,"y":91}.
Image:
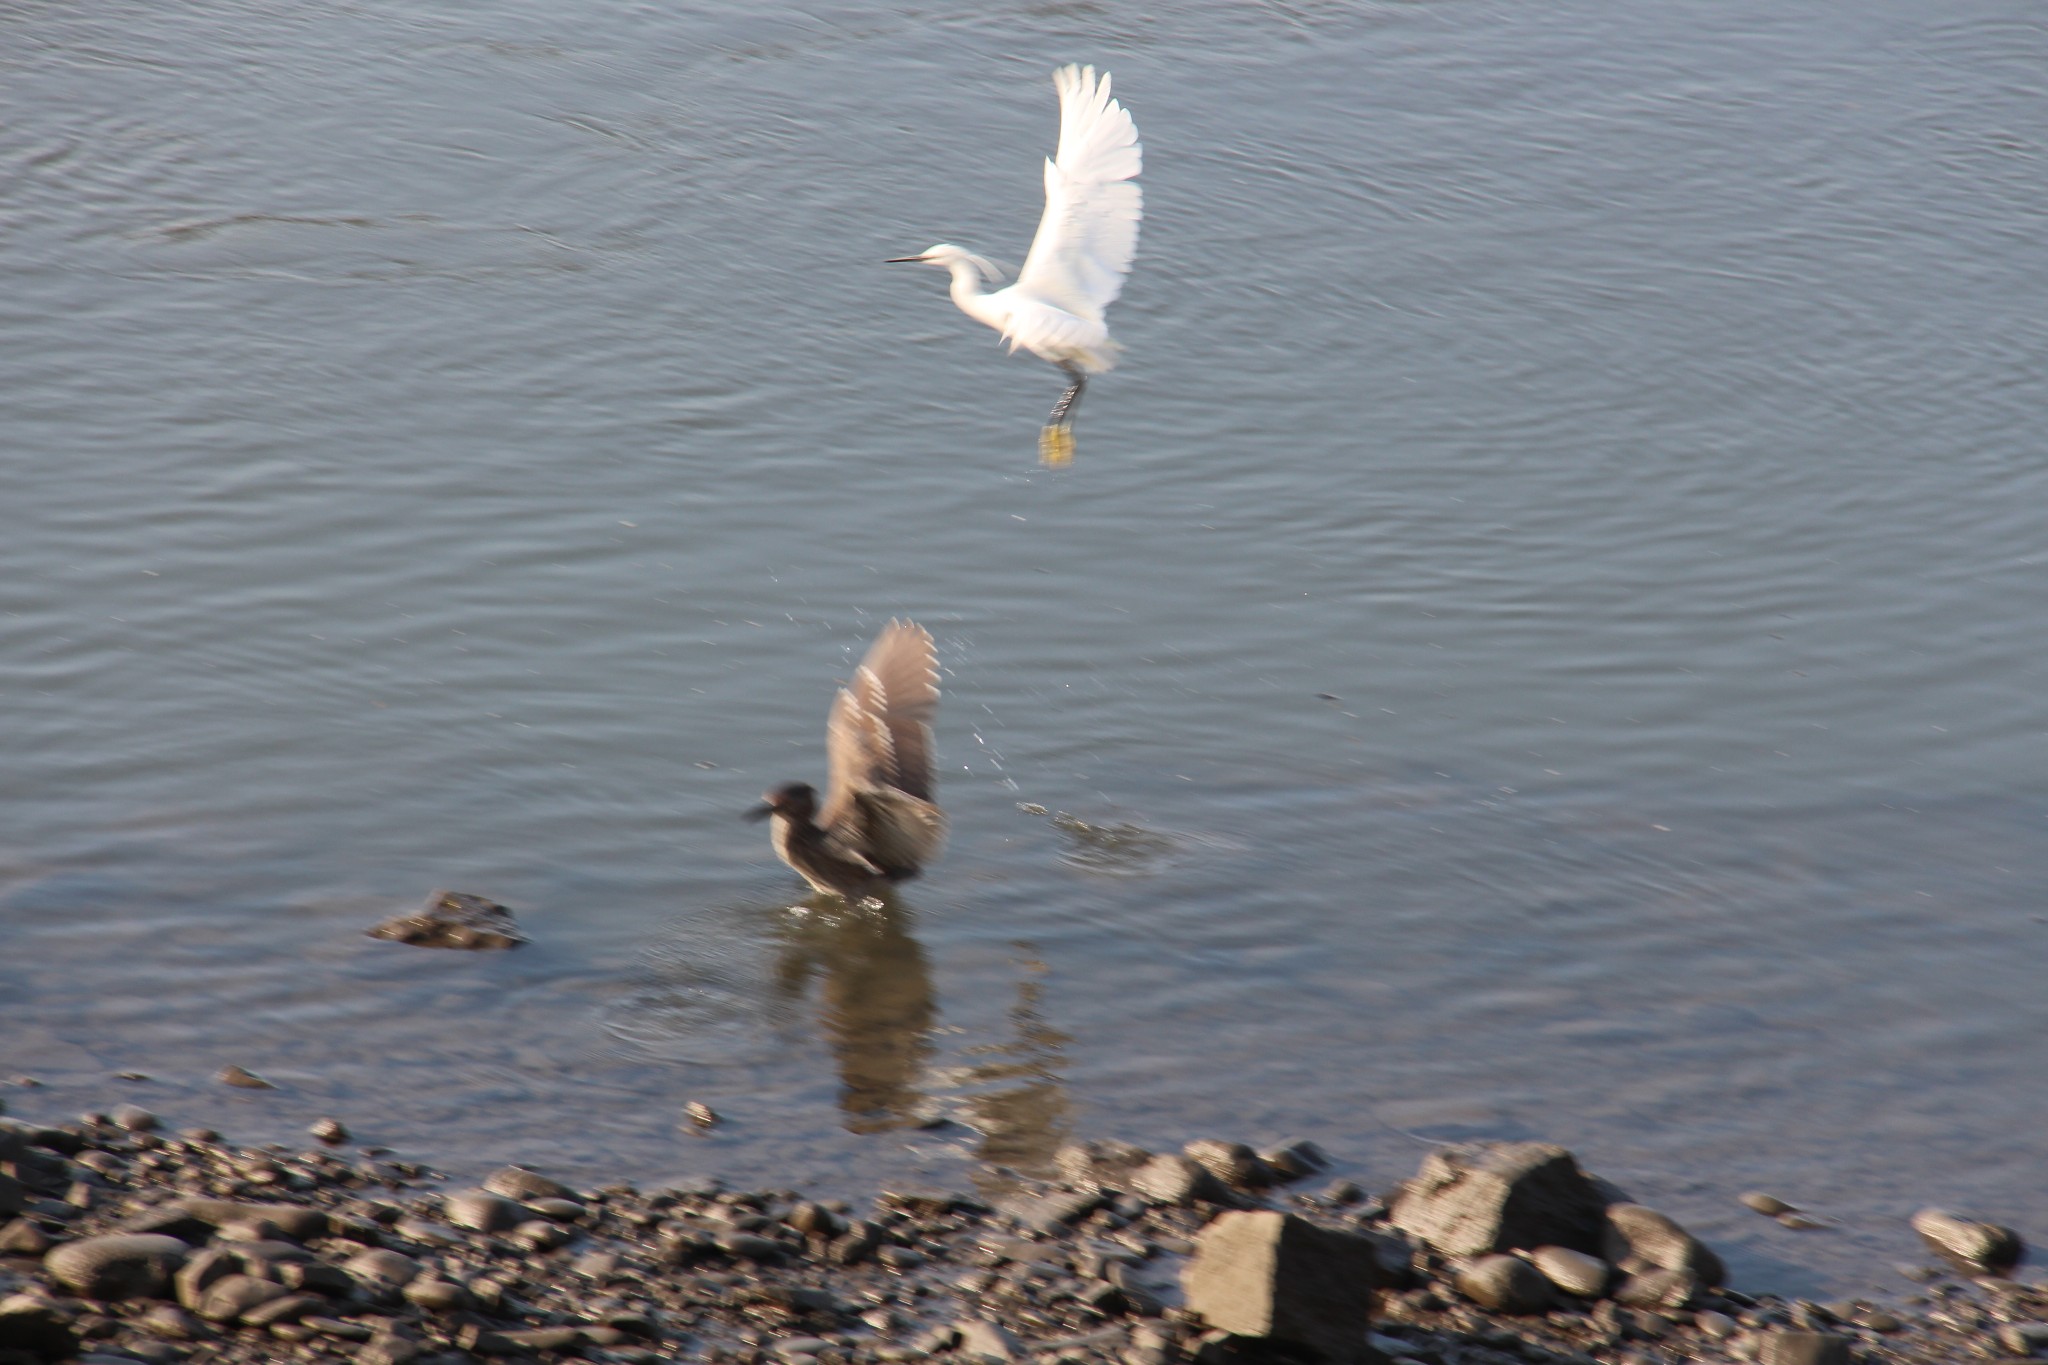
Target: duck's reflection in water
{"x":878,"y":1013}
{"x":875,"y":1003}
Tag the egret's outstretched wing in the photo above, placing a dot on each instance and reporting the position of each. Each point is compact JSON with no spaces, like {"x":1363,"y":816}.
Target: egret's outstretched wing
{"x":1090,"y":229}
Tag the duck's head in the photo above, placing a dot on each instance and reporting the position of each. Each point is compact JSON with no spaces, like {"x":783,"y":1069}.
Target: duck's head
{"x":793,"y":800}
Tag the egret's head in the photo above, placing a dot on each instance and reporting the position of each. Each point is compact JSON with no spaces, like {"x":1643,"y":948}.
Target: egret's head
{"x":946,"y":256}
{"x":797,"y":800}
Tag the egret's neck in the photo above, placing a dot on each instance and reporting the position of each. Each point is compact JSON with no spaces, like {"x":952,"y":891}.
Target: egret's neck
{"x":966,"y":283}
{"x":969,"y":292}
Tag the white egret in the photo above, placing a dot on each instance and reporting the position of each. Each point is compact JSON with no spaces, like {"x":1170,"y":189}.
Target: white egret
{"x":1078,"y":259}
{"x":879,"y":823}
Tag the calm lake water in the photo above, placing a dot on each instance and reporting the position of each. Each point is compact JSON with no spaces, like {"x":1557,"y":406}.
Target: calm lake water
{"x":1543,"y":636}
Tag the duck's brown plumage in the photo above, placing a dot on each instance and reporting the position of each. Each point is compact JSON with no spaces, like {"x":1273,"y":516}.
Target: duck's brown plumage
{"x":878,"y":823}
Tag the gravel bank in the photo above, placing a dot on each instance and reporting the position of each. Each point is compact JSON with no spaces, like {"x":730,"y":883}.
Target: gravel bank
{"x":120,"y":1241}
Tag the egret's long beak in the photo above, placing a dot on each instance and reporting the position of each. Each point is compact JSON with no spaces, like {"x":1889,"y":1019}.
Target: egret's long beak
{"x":760,"y":812}
{"x":906,"y":260}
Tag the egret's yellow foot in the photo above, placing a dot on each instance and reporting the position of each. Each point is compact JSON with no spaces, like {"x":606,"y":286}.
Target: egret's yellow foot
{"x":1056,"y":445}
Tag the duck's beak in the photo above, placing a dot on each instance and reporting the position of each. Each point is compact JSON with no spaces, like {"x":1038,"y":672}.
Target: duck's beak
{"x":760,"y":812}
{"x":906,"y":260}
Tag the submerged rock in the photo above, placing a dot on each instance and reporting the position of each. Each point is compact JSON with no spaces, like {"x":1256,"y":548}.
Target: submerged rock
{"x":453,"y":919}
{"x":1974,"y":1248}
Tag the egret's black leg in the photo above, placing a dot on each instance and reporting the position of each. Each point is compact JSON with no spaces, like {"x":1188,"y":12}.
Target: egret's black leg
{"x":1063,"y":411}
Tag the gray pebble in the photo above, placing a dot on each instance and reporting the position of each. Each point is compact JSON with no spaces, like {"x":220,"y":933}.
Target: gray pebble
{"x":330,"y":1131}
{"x":517,"y":1182}
{"x":1575,"y":1272}
{"x":436,"y":1295}
{"x":482,"y":1211}
{"x":750,"y":1247}
{"x":1233,"y":1163}
{"x":597,"y":1265}
{"x":23,"y":1238}
{"x":1975,"y":1248}
{"x":1506,"y":1284}
{"x":539,"y":1235}
{"x":289,"y":1308}
{"x":1719,"y":1326}
{"x":131,"y":1265}
{"x":1769,"y":1205}
{"x":1803,"y":1348}
{"x":133,"y":1117}
{"x":561,"y":1210}
{"x":233,"y":1295}
{"x":336,"y":1328}
{"x":986,"y":1340}
{"x":173,"y":1323}
{"x":246,"y":1080}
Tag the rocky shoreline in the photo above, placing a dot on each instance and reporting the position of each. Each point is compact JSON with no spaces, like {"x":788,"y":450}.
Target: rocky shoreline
{"x":121,"y":1241}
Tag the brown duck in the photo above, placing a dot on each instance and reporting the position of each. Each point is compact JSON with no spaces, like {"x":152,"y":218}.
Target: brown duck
{"x":878,"y":824}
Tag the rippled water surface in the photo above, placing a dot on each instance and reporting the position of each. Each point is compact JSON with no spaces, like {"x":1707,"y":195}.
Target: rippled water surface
{"x":1543,"y":636}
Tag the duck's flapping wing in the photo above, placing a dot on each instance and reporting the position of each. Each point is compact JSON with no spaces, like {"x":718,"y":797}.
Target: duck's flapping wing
{"x":879,"y":737}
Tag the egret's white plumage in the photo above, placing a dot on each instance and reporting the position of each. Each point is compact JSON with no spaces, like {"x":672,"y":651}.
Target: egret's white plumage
{"x":1084,"y":244}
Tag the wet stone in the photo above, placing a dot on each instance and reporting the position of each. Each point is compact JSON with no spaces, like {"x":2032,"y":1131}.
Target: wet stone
{"x":1099,"y":1165}
{"x":1657,"y":1289}
{"x":381,"y":1273}
{"x":289,"y":1308}
{"x":1804,"y":1348}
{"x":1294,"y":1160}
{"x":1500,"y":1196}
{"x":1718,"y":1326}
{"x":35,"y":1326}
{"x":245,"y":1080}
{"x":133,"y":1117}
{"x":1233,"y":1163}
{"x":435,"y":1295}
{"x":1051,"y":1212}
{"x":173,"y":1323}
{"x":336,"y":1328}
{"x":1575,"y":1272}
{"x":539,"y":1235}
{"x":1278,"y":1277}
{"x":133,"y":1265}
{"x":205,"y":1269}
{"x":560,"y":1210}
{"x":453,"y":919}
{"x":23,"y":1238}
{"x":293,"y":1220}
{"x":1505,"y":1284}
{"x":1175,"y":1181}
{"x":1640,"y":1239}
{"x":1769,"y":1205}
{"x":2024,"y":1338}
{"x":985,"y":1340}
{"x":1972,"y":1247}
{"x":517,"y":1182}
{"x":330,"y":1131}
{"x":482,"y":1211}
{"x":233,"y":1295}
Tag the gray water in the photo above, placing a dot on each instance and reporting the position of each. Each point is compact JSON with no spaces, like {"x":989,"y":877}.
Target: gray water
{"x":1542,"y":636}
